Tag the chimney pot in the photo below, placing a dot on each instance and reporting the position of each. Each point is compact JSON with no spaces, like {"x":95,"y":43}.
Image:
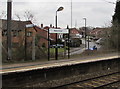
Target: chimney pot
{"x":51,"y":25}
{"x":41,"y":25}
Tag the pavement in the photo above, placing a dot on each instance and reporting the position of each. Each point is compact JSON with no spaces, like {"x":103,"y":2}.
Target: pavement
{"x":77,"y":50}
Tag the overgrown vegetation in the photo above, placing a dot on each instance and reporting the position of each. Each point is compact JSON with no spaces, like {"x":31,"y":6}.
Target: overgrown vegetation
{"x":112,"y":38}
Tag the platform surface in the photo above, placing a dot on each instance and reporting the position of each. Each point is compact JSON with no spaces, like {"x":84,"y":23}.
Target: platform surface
{"x":6,"y":69}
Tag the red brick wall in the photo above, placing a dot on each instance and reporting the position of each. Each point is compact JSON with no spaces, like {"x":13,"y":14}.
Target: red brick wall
{"x":74,"y":31}
{"x":43,"y":36}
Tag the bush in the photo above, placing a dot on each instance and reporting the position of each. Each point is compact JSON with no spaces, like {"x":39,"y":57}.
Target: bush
{"x":43,"y":45}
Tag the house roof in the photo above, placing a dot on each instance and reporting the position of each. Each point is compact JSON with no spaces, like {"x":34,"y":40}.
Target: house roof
{"x":15,"y":25}
{"x":98,"y":30}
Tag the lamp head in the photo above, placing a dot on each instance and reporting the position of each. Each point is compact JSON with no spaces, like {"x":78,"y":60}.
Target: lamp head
{"x":84,"y":18}
{"x":60,"y":9}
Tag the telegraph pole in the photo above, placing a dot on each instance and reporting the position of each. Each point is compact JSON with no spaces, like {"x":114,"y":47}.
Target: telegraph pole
{"x":9,"y":16}
{"x":1,"y":44}
{"x":71,"y":13}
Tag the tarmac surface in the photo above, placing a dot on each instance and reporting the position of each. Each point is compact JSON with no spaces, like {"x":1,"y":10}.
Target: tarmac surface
{"x":20,"y":67}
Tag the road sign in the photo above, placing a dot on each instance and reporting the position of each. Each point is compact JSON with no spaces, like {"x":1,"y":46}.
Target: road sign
{"x":52,"y":30}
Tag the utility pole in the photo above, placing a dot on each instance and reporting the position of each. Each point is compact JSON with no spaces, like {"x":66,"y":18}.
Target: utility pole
{"x":9,"y":16}
{"x":1,"y":44}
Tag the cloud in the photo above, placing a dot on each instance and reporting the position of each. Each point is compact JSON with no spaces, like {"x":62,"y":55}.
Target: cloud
{"x":97,"y":12}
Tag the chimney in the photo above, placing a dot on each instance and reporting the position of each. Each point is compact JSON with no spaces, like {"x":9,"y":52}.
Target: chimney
{"x":50,"y":25}
{"x":41,"y":25}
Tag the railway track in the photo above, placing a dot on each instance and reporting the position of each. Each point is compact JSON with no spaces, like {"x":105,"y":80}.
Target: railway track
{"x":93,"y":83}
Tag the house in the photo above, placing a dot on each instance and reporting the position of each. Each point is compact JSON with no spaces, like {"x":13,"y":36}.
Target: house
{"x":75,"y":33}
{"x":52,"y":35}
{"x":42,"y":33}
{"x":17,"y":32}
{"x":99,"y":32}
{"x":41,"y":36}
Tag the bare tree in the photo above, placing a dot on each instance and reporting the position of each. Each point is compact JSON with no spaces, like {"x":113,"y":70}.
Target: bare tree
{"x":29,"y":15}
{"x":18,"y":16}
{"x":3,"y":14}
{"x":109,"y":2}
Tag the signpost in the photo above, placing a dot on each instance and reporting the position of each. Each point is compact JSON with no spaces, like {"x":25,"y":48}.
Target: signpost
{"x":29,"y":25}
{"x":53,"y":30}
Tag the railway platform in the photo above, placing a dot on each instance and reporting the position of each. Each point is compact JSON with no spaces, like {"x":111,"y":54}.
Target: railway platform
{"x":58,"y":72}
{"x":22,"y":67}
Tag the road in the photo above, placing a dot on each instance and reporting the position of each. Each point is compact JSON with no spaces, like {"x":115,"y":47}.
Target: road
{"x":82,"y":48}
{"x":91,"y":44}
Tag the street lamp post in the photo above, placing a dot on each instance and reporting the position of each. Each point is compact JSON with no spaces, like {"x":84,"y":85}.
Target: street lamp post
{"x":56,"y":49}
{"x":85,"y":32}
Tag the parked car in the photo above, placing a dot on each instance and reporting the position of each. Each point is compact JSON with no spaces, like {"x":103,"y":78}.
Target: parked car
{"x":93,"y":48}
{"x":75,"y":42}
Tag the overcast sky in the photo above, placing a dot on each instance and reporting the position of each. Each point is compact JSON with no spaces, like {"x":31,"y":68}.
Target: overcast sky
{"x":97,"y":12}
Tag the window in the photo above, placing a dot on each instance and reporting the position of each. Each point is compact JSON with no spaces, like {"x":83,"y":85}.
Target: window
{"x":4,"y":33}
{"x":29,"y":34}
{"x":15,"y":33}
